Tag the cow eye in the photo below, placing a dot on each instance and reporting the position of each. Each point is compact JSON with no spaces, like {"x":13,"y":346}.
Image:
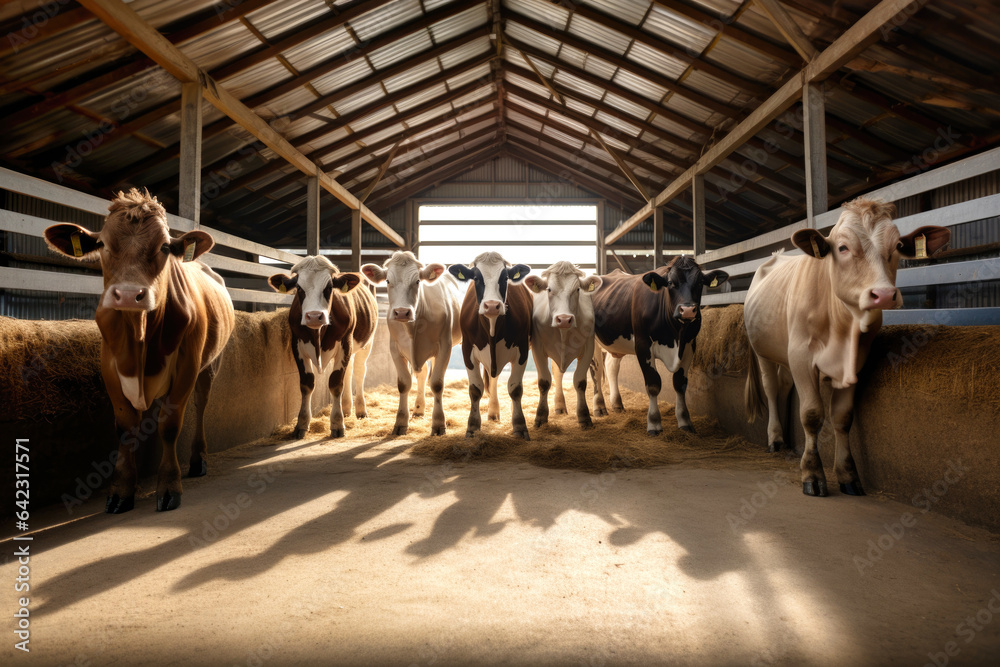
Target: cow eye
{"x":165,"y":248}
{"x":842,"y":248}
{"x":548,"y":289}
{"x":671,"y":284}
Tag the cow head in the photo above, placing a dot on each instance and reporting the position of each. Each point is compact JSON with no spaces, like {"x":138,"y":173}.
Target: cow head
{"x":682,"y":286}
{"x":315,"y":282}
{"x":402,"y":274}
{"x":564,"y":285}
{"x":491,"y":274}
{"x":863,"y":251}
{"x":133,"y":247}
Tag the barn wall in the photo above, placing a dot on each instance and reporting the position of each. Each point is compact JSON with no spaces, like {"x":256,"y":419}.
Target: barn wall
{"x":72,"y":432}
{"x":928,"y":399}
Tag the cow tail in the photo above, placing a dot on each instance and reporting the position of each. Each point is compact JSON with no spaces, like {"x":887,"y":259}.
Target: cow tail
{"x":754,"y":394}
{"x":486,"y":382}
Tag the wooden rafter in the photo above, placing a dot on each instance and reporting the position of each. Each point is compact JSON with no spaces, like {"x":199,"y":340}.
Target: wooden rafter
{"x":788,"y":28}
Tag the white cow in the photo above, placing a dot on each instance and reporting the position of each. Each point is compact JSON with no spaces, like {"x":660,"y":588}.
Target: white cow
{"x":562,"y":329}
{"x":423,"y":321}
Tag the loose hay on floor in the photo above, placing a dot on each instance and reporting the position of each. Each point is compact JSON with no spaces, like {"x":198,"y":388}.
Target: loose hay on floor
{"x":617,"y":441}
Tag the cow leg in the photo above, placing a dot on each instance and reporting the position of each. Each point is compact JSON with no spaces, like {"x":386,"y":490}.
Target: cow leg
{"x":198,"y":466}
{"x":680,"y":381}
{"x":338,"y":378}
{"x":419,"y":404}
{"x":842,"y":412}
{"x":493,"y":404}
{"x":168,"y":477}
{"x":597,"y":369}
{"x":307,"y":382}
{"x":811,"y":414}
{"x":121,"y":495}
{"x":559,"y":396}
{"x":654,"y":424}
{"x":404,"y":380}
{"x":544,"y":384}
{"x":580,"y":384}
{"x":437,"y":387}
{"x":771,"y":381}
{"x":515,"y":388}
{"x":345,"y":396}
{"x":614,"y":364}
{"x":360,"y":370}
{"x":476,"y":387}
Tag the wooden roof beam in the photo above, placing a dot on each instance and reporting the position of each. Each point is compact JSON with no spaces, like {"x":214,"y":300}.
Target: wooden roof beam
{"x":788,"y":28}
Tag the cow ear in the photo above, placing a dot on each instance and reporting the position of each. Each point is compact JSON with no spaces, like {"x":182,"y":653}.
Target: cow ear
{"x":192,"y":245}
{"x":432,"y":272}
{"x":374,"y":273}
{"x":73,"y":241}
{"x":935,"y":239}
{"x":461,"y":271}
{"x":279,"y":282}
{"x":536,"y":284}
{"x":654,"y":280}
{"x":518,"y":272}
{"x":714,"y":278}
{"x":591,"y":283}
{"x":345,"y":282}
{"x":811,"y":242}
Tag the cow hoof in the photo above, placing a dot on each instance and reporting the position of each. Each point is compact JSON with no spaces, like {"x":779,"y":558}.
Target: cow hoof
{"x":300,"y":433}
{"x":601,"y":412}
{"x":400,"y":429}
{"x":336,"y":433}
{"x":540,"y":422}
{"x":168,"y":501}
{"x":618,"y":408}
{"x":437,"y":430}
{"x":361,"y":415}
{"x":417,"y":415}
{"x":523,"y":434}
{"x":560,"y":411}
{"x":815,"y":487}
{"x":852,"y":489}
{"x":493,"y":418}
{"x":470,"y":434}
{"x":118,"y":505}
{"x":775,"y":446}
{"x":198,"y":468}
{"x":654,"y":432}
{"x":587,"y":423}
{"x":688,"y":428}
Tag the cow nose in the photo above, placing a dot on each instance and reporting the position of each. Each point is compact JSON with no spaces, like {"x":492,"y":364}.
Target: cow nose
{"x":402,"y":314}
{"x":884,"y":298}
{"x":564,"y":321}
{"x":314,"y":318}
{"x":130,"y":298}
{"x":688,"y":312}
{"x":491,"y":308}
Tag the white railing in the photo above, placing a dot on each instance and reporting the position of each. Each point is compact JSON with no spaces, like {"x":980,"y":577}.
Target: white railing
{"x":72,"y":283}
{"x":972,"y":271}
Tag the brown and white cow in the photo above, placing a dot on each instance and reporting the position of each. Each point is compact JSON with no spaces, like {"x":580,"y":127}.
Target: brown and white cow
{"x":562,"y":329}
{"x":330,"y":320}
{"x":423,"y":321}
{"x":811,"y":320}
{"x":655,"y":316}
{"x":496,"y":330}
{"x":164,"y":320}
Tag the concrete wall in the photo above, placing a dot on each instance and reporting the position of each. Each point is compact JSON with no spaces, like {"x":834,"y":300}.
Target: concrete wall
{"x":928,"y":401}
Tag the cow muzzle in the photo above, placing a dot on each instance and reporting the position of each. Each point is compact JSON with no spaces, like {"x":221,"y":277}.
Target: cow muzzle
{"x":687,"y":312}
{"x":129,"y":297}
{"x":563,"y":321}
{"x":491,"y":308}
{"x":402,"y":314}
{"x":315,"y":319}
{"x":881,"y":298}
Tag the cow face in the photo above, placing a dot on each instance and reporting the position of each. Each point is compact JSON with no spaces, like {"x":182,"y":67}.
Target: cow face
{"x":491,"y":274}
{"x":863,"y":252}
{"x":402,"y":274}
{"x":682,"y":286}
{"x":133,"y":247}
{"x":564,"y":285}
{"x":315,"y":282}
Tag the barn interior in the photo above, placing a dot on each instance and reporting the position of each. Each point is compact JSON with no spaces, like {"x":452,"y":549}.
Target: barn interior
{"x":707,"y":127}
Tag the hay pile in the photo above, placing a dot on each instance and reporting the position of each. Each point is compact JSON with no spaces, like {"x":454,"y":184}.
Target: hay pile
{"x":617,"y":441}
{"x":48,"y":369}
{"x":722,"y":347}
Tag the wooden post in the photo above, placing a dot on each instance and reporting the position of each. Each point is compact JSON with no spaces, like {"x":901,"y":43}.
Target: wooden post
{"x":698,"y":209}
{"x":356,"y":239}
{"x":189,"y":186}
{"x":814,"y":120}
{"x":312,"y":215}
{"x":408,"y":229}
{"x":602,"y":252}
{"x":657,"y":237}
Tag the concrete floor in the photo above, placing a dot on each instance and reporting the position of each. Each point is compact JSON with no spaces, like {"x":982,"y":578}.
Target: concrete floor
{"x":349,"y":552}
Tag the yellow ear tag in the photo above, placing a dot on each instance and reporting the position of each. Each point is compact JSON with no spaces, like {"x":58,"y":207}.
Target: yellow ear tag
{"x":345,"y":288}
{"x":461,"y":276}
{"x":591,"y":287}
{"x":189,"y":248}
{"x":715,"y":282}
{"x":653,"y":287}
{"x":815,"y":246}
{"x":283,"y":289}
{"x":77,"y":248}
{"x":921,"y":242}
{"x":516,"y":276}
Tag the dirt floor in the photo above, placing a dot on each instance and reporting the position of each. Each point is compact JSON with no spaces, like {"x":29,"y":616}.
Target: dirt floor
{"x":602,"y":548}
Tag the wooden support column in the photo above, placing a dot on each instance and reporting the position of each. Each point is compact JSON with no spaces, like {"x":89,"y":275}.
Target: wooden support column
{"x":814,"y":120}
{"x":698,"y":210}
{"x":355,"y":240}
{"x":312,"y":215}
{"x":657,"y":237}
{"x":602,"y":252}
{"x":189,"y":186}
{"x":408,"y":207}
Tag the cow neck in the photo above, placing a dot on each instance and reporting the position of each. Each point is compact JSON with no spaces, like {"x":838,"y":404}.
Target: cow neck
{"x":666,"y":330}
{"x":850,"y":336}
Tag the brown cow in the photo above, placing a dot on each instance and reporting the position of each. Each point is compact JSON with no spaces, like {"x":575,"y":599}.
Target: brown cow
{"x":811,"y":320}
{"x":164,"y":320}
{"x":329,"y":319}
